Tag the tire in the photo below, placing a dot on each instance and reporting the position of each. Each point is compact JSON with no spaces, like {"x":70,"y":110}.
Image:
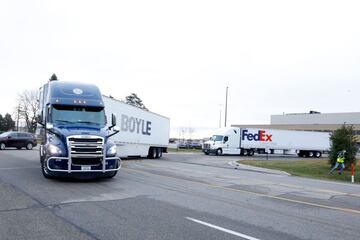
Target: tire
{"x":251,"y":152}
{"x":219,"y":151}
{"x":245,"y":152}
{"x":206,"y":153}
{"x":158,"y":152}
{"x":45,"y":171}
{"x":318,"y":154}
{"x":152,"y":153}
{"x":29,"y":146}
{"x":311,"y":154}
{"x":2,"y":146}
{"x":112,"y":174}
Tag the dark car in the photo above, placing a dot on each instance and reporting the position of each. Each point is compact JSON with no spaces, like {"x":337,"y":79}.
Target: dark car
{"x":195,"y":145}
{"x":17,"y":140}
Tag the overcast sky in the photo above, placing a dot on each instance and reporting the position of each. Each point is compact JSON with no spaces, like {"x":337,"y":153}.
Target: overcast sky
{"x":179,"y":56}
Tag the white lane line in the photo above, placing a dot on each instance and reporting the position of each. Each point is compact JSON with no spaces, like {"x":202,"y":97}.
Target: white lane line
{"x":222,"y":229}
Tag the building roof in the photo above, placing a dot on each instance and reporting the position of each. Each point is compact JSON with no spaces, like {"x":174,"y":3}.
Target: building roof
{"x":316,"y":118}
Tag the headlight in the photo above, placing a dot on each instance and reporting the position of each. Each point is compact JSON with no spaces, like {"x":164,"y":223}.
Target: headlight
{"x":54,"y":150}
{"x":111,"y":151}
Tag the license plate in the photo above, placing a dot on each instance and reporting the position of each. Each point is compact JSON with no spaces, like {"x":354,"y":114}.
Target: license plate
{"x":85,"y":168}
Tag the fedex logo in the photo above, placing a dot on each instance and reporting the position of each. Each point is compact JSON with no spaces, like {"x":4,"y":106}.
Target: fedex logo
{"x":260,"y":136}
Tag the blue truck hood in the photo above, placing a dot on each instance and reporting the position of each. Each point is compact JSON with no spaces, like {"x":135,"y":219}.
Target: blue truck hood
{"x":66,"y":131}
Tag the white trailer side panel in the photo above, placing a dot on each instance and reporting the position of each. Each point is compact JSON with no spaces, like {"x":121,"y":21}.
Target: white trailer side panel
{"x":285,"y":139}
{"x":139,"y":129}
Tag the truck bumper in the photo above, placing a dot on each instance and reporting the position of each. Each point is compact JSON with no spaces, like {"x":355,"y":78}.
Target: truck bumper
{"x":62,"y":164}
{"x":208,"y":150}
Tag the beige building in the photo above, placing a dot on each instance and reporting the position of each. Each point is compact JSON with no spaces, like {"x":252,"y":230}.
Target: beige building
{"x":312,"y":121}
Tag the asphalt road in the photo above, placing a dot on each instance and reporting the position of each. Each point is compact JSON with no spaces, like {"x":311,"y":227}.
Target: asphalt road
{"x":182,"y":196}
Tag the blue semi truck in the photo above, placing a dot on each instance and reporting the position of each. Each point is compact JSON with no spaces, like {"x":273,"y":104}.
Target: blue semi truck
{"x":73,"y":131}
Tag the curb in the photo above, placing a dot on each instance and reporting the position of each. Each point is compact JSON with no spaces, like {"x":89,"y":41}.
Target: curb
{"x":237,"y":165}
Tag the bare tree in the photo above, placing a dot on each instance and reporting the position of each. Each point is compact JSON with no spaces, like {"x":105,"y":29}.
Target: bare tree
{"x":27,"y":107}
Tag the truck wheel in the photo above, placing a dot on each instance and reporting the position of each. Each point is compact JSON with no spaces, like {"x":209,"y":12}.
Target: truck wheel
{"x":158,"y":152}
{"x":112,"y":174}
{"x":245,"y":152}
{"x":45,"y":171}
{"x":152,"y":153}
{"x":206,"y":153}
{"x":2,"y":146}
{"x":29,"y":146}
{"x":311,"y":154}
{"x":318,"y":154}
{"x":219,"y":151}
{"x":250,"y":152}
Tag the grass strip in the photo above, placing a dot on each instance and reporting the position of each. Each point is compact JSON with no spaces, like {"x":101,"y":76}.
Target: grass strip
{"x":312,"y":168}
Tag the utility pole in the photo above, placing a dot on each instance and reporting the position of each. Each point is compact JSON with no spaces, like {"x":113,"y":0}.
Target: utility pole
{"x":226,"y":100}
{"x":220,"y":118}
{"x":18,"y":113}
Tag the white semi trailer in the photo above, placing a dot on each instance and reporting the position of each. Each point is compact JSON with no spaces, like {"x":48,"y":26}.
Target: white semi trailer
{"x":247,"y":141}
{"x":142,"y":133}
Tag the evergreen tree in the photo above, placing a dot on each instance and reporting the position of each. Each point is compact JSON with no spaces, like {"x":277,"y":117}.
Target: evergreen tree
{"x":343,"y":139}
{"x":134,"y":100}
{"x":8,"y":123}
{"x":1,"y":123}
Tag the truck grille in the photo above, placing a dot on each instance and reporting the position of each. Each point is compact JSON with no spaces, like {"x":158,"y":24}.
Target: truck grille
{"x":206,"y":146}
{"x":86,"y":150}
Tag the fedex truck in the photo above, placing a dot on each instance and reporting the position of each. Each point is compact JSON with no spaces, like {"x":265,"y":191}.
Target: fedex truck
{"x":142,"y":133}
{"x":247,"y":141}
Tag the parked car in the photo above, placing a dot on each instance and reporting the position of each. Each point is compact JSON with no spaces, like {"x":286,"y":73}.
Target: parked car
{"x":195,"y":145}
{"x":183,"y":145}
{"x":17,"y":140}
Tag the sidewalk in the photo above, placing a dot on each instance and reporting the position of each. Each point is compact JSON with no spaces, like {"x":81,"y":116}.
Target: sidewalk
{"x":240,"y":166}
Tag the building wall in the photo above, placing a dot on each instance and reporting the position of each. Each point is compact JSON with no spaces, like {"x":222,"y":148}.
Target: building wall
{"x":314,"y":118}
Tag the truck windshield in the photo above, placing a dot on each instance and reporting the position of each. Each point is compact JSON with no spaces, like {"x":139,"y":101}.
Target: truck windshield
{"x":72,"y":114}
{"x":217,"y":138}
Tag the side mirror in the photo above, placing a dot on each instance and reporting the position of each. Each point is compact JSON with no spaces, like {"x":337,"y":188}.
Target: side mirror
{"x":39,"y":116}
{"x":226,"y":139}
{"x":113,"y":120}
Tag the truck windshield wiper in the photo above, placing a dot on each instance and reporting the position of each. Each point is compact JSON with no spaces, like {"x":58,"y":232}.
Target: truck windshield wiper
{"x":63,"y":121}
{"x":88,"y":122}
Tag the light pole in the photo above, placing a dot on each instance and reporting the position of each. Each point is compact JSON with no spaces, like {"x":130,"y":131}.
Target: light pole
{"x":220,"y":116}
{"x":226,"y":100}
{"x":18,"y":114}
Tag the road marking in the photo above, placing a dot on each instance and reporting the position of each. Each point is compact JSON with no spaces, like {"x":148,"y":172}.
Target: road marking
{"x":222,"y":229}
{"x":348,"y":210}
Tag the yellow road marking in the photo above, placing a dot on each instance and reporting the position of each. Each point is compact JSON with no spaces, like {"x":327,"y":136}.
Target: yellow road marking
{"x":348,"y":210}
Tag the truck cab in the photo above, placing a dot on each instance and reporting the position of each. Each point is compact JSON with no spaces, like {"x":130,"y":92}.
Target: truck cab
{"x":224,"y":141}
{"x":75,"y":136}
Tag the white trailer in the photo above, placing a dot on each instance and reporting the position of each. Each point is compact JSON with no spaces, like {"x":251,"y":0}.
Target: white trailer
{"x":247,"y":141}
{"x":142,"y":133}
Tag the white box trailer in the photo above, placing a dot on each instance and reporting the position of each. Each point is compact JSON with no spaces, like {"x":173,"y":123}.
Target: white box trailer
{"x":247,"y":141}
{"x":142,"y":133}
